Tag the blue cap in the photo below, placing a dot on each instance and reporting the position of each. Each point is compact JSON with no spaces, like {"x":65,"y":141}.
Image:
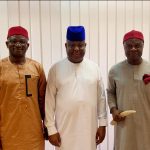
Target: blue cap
{"x":75,"y":33}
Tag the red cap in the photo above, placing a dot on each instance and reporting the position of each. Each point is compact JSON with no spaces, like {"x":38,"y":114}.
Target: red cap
{"x":17,"y":30}
{"x":133,"y":34}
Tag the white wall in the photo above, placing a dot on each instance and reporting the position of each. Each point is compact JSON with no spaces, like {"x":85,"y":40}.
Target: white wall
{"x":105,"y":23}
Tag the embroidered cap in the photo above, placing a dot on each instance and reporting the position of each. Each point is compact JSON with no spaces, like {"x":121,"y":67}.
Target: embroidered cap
{"x":17,"y":30}
{"x":133,"y":34}
{"x":75,"y":33}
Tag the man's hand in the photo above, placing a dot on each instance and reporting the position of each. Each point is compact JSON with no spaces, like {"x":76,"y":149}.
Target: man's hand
{"x":116,"y":115}
{"x":100,"y":134}
{"x":45,"y":132}
{"x":55,"y":139}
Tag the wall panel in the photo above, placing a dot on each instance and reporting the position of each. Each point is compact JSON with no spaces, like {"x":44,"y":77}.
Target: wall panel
{"x":146,"y":29}
{"x":35,"y":23}
{"x":24,"y":9}
{"x":65,"y":22}
{"x":13,"y":13}
{"x":93,"y":30}
{"x":84,"y":20}
{"x":3,"y":28}
{"x":46,"y":39}
{"x":55,"y":30}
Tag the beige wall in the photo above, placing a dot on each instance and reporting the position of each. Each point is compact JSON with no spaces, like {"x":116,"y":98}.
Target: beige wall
{"x":105,"y":23}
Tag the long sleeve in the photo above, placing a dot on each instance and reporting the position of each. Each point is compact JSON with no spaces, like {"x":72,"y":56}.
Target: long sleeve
{"x":0,"y":74}
{"x":0,"y":93}
{"x":50,"y":102}
{"x":111,"y":90}
{"x":101,"y":108}
{"x":41,"y":92}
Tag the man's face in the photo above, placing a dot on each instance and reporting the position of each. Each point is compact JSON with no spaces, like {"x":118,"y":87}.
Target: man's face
{"x":17,"y":46}
{"x":133,"y":49}
{"x":75,"y":50}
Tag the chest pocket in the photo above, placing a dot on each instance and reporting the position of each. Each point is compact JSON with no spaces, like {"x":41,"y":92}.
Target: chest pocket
{"x":31,"y":82}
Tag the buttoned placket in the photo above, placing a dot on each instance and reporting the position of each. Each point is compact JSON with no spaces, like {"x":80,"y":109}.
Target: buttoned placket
{"x":21,"y":90}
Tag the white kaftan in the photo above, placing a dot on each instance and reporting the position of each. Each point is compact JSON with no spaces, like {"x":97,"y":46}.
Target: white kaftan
{"x":126,"y":90}
{"x":75,"y":96}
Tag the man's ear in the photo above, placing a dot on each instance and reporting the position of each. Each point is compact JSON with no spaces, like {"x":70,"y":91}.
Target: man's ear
{"x":28,"y":44}
{"x":6,"y":43}
{"x":66,"y":45}
{"x":123,"y":45}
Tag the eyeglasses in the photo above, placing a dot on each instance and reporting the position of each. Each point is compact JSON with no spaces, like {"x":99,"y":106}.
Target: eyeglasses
{"x":18,"y":43}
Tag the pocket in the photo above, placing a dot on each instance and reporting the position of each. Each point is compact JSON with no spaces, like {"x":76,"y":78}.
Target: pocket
{"x":31,"y":81}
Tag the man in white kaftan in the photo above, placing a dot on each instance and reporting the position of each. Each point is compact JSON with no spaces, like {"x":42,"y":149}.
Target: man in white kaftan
{"x":128,"y":91}
{"x":75,"y":96}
